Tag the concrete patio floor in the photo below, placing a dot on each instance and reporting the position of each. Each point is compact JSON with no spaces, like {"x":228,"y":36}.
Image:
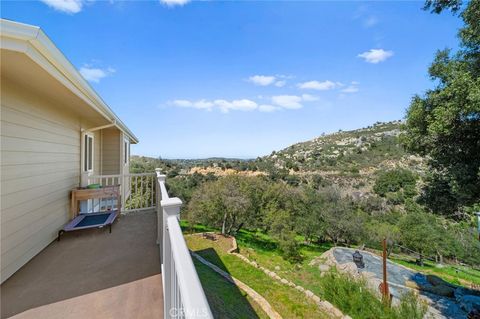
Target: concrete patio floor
{"x":91,"y":274}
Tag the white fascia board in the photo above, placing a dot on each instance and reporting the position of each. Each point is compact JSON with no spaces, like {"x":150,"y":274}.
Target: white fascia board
{"x":35,"y":43}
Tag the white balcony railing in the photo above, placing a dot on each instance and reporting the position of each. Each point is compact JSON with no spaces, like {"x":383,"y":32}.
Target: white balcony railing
{"x":183,"y":294}
{"x":137,"y":190}
{"x":182,"y":291}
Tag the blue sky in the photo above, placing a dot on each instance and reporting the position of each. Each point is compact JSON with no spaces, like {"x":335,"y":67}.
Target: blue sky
{"x":243,"y":78}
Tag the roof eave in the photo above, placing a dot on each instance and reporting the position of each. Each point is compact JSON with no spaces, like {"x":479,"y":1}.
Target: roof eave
{"x":39,"y":41}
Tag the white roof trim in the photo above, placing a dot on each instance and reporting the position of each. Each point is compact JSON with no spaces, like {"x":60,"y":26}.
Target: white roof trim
{"x":33,"y":42}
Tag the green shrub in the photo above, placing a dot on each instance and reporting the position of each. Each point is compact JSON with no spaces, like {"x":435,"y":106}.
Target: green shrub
{"x":355,"y":299}
{"x":396,"y":185}
{"x":411,"y":306}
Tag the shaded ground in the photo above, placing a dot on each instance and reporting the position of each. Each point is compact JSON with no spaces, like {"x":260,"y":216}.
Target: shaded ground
{"x":287,"y":301}
{"x":226,"y":300}
{"x":87,"y":261}
{"x":396,"y":277}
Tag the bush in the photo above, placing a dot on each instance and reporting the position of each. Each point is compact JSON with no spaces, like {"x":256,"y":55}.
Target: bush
{"x":396,"y":185}
{"x":412,"y":307}
{"x":289,"y":248}
{"x":355,"y":299}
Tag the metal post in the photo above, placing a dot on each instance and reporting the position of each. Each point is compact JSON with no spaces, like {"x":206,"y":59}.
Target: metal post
{"x":385,"y":292}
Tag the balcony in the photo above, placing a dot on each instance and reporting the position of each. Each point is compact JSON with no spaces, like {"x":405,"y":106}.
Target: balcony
{"x":143,"y":269}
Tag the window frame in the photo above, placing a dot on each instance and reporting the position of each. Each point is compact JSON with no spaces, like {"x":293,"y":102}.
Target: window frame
{"x":126,"y":151}
{"x":88,"y":152}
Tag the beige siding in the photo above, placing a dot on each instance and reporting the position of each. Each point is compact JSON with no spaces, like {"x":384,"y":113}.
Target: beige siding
{"x":111,"y":155}
{"x":40,"y":164}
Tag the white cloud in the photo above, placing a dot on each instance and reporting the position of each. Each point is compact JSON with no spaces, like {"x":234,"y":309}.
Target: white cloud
{"x":262,"y":80}
{"x":375,"y":55}
{"x":172,"y":3}
{"x":95,"y":74}
{"x":266,"y":80}
{"x":223,"y":105}
{"x":287,"y":101}
{"x":320,"y":86}
{"x":239,"y":105}
{"x":201,"y":104}
{"x":278,"y":102}
{"x":68,"y":6}
{"x":182,"y":103}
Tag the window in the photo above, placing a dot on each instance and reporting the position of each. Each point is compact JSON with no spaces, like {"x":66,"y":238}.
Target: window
{"x":126,"y":151}
{"x":88,"y":152}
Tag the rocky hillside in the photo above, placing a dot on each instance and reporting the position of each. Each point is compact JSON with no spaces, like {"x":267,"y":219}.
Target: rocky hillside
{"x":347,"y":158}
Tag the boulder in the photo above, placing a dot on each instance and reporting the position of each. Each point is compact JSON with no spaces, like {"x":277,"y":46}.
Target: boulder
{"x":412,"y":284}
{"x":373,"y":284}
{"x":277,"y":268}
{"x":328,"y":257}
{"x":300,"y":288}
{"x":349,"y":269}
{"x":367,"y":275}
{"x":323,"y":267}
{"x":314,"y":261}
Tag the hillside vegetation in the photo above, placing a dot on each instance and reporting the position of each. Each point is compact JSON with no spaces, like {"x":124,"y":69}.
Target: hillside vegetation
{"x":349,"y":159}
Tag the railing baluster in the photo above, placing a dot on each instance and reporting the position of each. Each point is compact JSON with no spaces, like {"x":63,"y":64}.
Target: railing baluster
{"x":141,"y":192}
{"x":152,"y":190}
{"x":141,"y":187}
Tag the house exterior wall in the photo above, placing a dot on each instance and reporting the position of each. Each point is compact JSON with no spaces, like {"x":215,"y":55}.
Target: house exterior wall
{"x":111,"y":155}
{"x":40,"y":164}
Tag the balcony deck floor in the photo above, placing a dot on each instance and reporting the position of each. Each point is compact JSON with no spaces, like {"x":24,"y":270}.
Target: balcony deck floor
{"x":91,"y":274}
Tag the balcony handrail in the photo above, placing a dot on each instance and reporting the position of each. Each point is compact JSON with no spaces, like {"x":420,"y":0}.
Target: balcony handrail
{"x":137,"y":189}
{"x":104,"y":176}
{"x":182,"y":290}
{"x":139,"y":174}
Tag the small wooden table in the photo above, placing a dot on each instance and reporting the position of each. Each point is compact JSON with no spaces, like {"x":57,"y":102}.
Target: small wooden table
{"x":80,"y":194}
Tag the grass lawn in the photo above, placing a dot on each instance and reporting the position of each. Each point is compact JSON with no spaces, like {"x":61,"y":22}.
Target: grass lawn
{"x":285,"y":300}
{"x":224,"y":298}
{"x":351,"y":297}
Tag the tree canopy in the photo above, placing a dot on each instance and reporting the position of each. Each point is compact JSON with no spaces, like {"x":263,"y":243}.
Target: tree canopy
{"x":444,"y":123}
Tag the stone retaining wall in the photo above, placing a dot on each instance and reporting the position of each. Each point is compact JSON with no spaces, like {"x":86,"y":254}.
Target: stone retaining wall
{"x":322,"y":304}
